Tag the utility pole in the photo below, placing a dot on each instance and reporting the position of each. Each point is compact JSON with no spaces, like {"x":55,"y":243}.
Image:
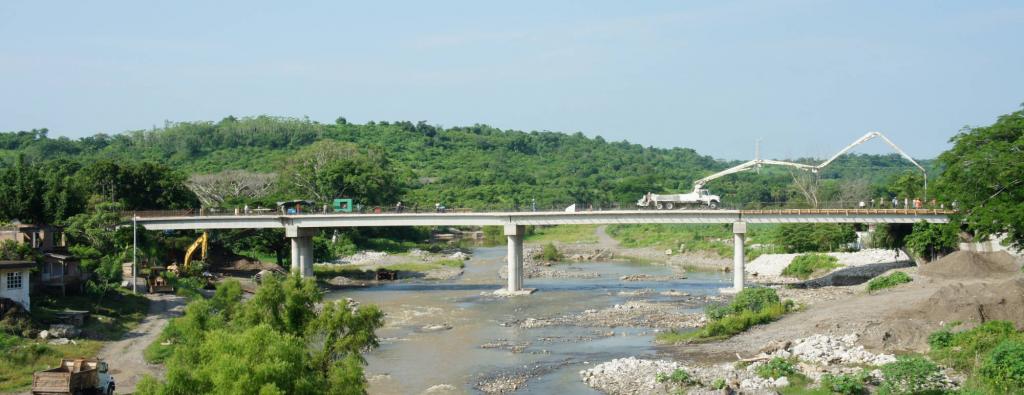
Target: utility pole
{"x":135,"y":252}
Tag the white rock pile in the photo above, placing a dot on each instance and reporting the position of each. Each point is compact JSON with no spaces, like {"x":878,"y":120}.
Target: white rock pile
{"x":829,"y":350}
{"x":629,"y":376}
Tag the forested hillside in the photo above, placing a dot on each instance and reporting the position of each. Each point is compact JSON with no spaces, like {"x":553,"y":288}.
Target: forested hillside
{"x":269,"y":158}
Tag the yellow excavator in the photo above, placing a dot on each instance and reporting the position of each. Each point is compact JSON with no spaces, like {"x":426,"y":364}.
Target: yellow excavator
{"x":202,"y":244}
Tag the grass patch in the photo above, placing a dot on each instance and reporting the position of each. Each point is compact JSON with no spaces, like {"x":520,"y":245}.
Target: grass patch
{"x":586,"y":234}
{"x":775,"y":368}
{"x":456,"y":263}
{"x":892,"y":280}
{"x":911,"y":375}
{"x":22,"y":357}
{"x":110,"y":315}
{"x":803,"y":266}
{"x":752,"y":306}
{"x":991,"y":354}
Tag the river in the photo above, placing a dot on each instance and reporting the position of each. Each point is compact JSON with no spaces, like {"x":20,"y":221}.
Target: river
{"x":413,"y":356}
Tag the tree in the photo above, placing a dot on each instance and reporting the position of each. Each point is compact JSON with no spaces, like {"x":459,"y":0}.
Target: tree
{"x":984,"y":175}
{"x":214,"y":189}
{"x":278,"y":342}
{"x":328,"y":169}
{"x":21,"y":192}
{"x":929,"y":240}
{"x":139,"y":185}
{"x":908,"y":185}
{"x":813,"y":237}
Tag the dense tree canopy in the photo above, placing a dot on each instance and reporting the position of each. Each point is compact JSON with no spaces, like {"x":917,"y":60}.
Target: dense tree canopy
{"x":474,"y":166}
{"x":278,"y":342}
{"x":984,"y":174}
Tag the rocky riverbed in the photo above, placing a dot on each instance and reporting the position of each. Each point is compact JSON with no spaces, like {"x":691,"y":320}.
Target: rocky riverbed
{"x":815,"y":356}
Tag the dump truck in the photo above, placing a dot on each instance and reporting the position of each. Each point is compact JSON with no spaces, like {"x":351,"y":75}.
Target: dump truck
{"x":74,"y":376}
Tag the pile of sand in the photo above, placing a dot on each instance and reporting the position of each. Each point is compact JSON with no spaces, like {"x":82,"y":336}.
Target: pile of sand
{"x":973,"y":265}
{"x":975,"y":302}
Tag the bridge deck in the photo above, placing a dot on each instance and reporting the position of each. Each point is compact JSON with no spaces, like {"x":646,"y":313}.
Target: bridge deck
{"x":195,"y":220}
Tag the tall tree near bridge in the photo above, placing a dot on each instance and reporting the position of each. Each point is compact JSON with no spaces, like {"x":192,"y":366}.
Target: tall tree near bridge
{"x":328,"y":169}
{"x":984,"y":174}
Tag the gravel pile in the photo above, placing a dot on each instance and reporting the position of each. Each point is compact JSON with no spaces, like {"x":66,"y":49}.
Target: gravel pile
{"x":637,"y":314}
{"x":639,"y":376}
{"x":770,"y":266}
{"x":829,"y":350}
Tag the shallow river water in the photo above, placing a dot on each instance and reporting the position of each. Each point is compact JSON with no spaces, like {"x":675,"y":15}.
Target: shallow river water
{"x":413,"y":358}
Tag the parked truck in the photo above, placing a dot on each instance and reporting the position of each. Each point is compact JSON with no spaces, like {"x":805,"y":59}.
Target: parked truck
{"x":74,"y":377}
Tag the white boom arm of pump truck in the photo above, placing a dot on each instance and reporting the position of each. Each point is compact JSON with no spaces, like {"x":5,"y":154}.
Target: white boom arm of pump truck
{"x":701,"y":195}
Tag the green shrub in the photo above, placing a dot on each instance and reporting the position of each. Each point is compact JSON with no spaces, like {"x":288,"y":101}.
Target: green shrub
{"x":1003,"y":368}
{"x":963,"y":350}
{"x":716,"y":311}
{"x":754,"y":299}
{"x":911,"y":375}
{"x":775,"y":368}
{"x":892,"y":280}
{"x":678,"y":376}
{"x":550,"y":253}
{"x":845,"y":384}
{"x":718,"y":384}
{"x":804,"y":266}
{"x":736,"y":323}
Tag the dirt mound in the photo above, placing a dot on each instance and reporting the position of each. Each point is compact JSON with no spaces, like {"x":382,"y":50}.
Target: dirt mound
{"x":974,"y":302}
{"x":969,"y":264}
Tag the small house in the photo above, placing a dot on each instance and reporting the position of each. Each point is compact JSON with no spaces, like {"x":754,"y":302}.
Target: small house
{"x":61,"y":271}
{"x":14,"y":281}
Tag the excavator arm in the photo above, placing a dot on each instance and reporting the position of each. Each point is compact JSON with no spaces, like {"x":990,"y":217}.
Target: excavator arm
{"x":203,"y":243}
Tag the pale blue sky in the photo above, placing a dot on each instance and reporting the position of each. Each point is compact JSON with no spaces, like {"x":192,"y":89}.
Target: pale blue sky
{"x":805,"y":76}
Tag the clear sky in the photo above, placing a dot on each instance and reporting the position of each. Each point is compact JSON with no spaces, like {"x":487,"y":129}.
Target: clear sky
{"x":807,"y":77}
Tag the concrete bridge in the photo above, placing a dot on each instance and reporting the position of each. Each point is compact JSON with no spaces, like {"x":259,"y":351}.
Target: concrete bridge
{"x":300,"y":228}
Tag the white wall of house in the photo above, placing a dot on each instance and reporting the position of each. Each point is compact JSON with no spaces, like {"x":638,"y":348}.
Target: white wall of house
{"x":12,"y":288}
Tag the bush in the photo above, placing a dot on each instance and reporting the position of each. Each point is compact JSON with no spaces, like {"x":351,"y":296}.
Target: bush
{"x":1003,"y":369}
{"x":679,"y":376}
{"x":889,"y":281}
{"x":963,"y":350}
{"x":736,"y":323}
{"x":911,"y":375}
{"x":813,"y":237}
{"x":754,"y":299}
{"x":804,"y":266}
{"x":718,"y":384}
{"x":845,"y":384}
{"x":716,"y":311}
{"x":550,"y":253}
{"x":775,"y":368}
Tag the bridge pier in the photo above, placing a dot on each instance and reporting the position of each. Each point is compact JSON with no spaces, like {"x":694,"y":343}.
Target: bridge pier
{"x":514,"y":233}
{"x":302,"y":249}
{"x":739,"y":233}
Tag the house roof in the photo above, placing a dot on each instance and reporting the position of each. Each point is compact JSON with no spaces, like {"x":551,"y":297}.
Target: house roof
{"x":16,"y":264}
{"x":61,"y":257}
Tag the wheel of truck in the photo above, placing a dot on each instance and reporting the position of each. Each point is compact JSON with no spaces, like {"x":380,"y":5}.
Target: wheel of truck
{"x":713,"y":205}
{"x":660,"y":206}
{"x":669,"y":206}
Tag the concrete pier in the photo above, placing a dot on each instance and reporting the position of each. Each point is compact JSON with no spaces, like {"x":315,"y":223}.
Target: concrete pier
{"x":739,"y":233}
{"x":302,"y":249}
{"x":514,"y":233}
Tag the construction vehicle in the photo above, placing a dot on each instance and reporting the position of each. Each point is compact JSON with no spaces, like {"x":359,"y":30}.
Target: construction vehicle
{"x":157,"y":281}
{"x":203,"y":244}
{"x":700,"y":197}
{"x":74,"y":376}
{"x":342,"y":205}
